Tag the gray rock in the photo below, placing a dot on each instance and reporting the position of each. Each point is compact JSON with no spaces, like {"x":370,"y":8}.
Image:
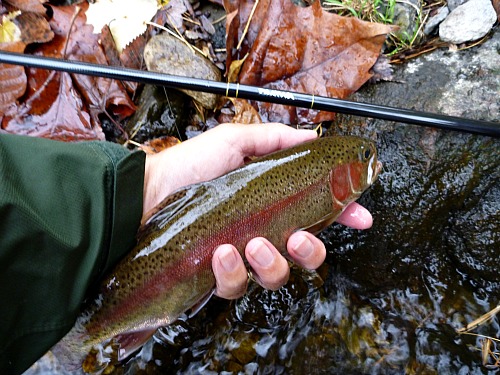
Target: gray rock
{"x":435,"y":20}
{"x":468,"y":22}
{"x":166,"y":54}
{"x":452,"y":4}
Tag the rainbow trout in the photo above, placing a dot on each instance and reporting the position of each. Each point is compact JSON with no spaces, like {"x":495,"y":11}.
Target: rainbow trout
{"x":305,"y":187}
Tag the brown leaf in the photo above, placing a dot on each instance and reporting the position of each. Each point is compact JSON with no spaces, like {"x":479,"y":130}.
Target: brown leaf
{"x":12,"y":80}
{"x":34,"y":28}
{"x":156,"y":145}
{"x":64,"y":120}
{"x":63,"y":106}
{"x":245,"y":113}
{"x":300,"y":49}
{"x":496,"y":6}
{"x":34,"y":6}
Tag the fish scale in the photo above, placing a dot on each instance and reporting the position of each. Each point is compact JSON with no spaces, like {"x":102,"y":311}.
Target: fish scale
{"x":169,"y":271}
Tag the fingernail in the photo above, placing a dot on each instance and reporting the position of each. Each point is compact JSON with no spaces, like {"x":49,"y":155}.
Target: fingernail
{"x":228,"y":259}
{"x":304,"y":247}
{"x":261,"y":254}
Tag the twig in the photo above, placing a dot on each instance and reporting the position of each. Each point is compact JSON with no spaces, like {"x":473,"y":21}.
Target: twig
{"x":219,"y":19}
{"x":483,"y":318}
{"x":245,"y":30}
{"x":479,"y":335}
{"x":190,"y":46}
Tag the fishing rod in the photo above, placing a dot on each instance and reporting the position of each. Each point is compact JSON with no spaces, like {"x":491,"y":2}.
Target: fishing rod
{"x":236,"y":90}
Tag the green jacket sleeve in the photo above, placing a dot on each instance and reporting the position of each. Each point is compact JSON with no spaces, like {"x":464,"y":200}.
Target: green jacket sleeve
{"x":68,"y":212}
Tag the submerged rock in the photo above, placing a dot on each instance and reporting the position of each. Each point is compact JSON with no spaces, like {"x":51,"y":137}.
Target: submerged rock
{"x":469,"y":21}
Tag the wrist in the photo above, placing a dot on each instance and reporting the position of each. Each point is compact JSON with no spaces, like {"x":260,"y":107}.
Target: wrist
{"x":150,"y":194}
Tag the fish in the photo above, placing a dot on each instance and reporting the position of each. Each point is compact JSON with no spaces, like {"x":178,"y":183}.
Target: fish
{"x":169,"y":272}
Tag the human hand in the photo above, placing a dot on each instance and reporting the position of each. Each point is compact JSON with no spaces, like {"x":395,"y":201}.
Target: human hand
{"x":219,"y":151}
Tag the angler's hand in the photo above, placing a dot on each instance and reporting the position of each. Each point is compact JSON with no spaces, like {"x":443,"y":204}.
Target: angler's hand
{"x":219,"y":151}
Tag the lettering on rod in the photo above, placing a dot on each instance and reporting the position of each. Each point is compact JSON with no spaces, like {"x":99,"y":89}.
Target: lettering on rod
{"x":276,"y":93}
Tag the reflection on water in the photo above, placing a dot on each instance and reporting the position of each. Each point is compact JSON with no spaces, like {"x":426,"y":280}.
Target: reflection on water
{"x":323,"y":328}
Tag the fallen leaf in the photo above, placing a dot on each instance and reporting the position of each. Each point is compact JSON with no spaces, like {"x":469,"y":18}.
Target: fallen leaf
{"x":34,"y":28}
{"x":126,"y":19}
{"x":307,"y":50}
{"x":33,"y":6}
{"x":234,"y":69}
{"x":496,"y":6}
{"x":12,"y":80}
{"x":159,"y":144}
{"x":63,"y":106}
{"x":244,"y":112}
{"x":9,"y":31}
{"x":58,"y":122}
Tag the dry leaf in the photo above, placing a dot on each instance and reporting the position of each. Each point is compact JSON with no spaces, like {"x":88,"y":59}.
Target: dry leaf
{"x":34,"y":28}
{"x":300,"y":49}
{"x":126,"y":19}
{"x":159,"y":144}
{"x":245,"y":113}
{"x":33,"y":6}
{"x":9,"y":31}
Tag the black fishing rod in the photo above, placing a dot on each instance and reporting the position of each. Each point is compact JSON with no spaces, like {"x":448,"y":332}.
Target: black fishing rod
{"x":235,"y":90}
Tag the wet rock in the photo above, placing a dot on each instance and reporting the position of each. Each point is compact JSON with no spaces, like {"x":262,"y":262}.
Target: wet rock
{"x":469,"y":21}
{"x":435,"y":20}
{"x":161,"y":112}
{"x":166,"y":54}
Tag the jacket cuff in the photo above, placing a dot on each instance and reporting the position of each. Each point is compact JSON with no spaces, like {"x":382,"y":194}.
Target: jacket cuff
{"x":125,"y":211}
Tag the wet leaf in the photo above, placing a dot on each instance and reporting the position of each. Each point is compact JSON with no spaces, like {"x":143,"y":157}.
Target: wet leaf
{"x":12,"y":80}
{"x":302,"y":49}
{"x":63,"y":106}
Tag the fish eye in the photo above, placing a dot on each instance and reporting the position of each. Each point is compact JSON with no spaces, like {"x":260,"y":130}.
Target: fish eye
{"x":368,"y":153}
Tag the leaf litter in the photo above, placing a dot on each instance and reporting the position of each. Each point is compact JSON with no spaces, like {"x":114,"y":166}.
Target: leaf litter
{"x":304,"y":49}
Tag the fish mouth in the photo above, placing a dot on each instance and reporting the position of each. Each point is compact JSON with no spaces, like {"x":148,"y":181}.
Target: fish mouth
{"x":374,"y":168}
{"x":378,"y":168}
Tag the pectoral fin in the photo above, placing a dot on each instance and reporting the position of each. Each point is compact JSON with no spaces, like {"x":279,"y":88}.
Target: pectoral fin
{"x":169,"y":207}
